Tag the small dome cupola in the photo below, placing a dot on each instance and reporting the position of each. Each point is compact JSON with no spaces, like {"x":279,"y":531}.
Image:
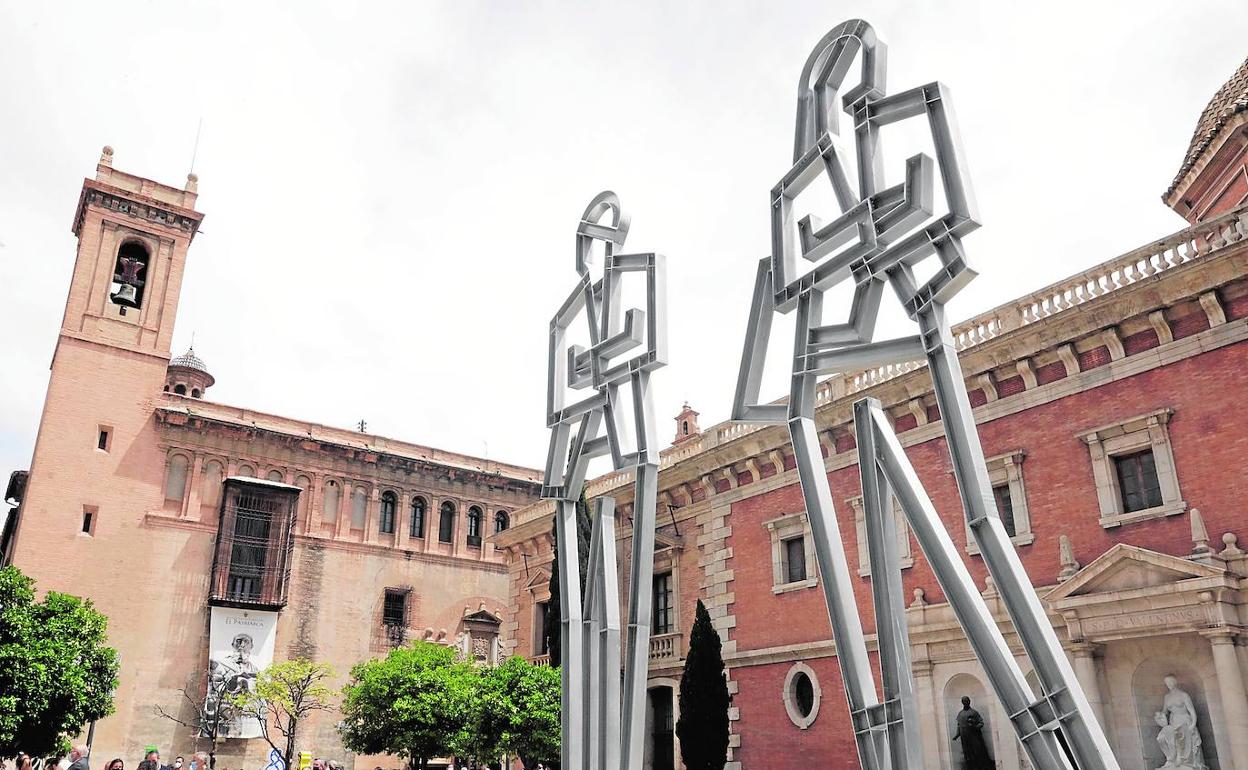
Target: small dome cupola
{"x":188,"y":376}
{"x":686,"y":425}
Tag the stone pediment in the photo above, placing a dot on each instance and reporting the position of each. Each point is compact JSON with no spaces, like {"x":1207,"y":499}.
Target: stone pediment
{"x":483,"y":616}
{"x":540,"y":579}
{"x":662,"y":540}
{"x":1129,"y":568}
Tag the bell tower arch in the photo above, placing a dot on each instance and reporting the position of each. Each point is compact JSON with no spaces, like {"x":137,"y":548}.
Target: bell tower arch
{"x":133,"y":236}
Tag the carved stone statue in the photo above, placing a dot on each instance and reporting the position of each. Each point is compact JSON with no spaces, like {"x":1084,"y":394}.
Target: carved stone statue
{"x":971,"y":733}
{"x":1179,"y":739}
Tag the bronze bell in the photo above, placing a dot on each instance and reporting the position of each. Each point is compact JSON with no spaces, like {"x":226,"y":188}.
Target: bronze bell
{"x":126,"y":296}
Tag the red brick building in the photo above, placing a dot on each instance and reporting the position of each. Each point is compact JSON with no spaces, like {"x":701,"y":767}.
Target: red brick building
{"x":192,"y":524}
{"x":1110,"y":408}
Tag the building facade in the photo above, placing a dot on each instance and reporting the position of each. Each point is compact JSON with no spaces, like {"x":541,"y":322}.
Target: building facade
{"x":217,"y":538}
{"x":1109,"y":406}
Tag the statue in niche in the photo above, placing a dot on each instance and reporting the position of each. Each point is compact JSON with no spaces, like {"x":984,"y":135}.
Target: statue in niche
{"x":971,"y":733}
{"x":1179,"y":739}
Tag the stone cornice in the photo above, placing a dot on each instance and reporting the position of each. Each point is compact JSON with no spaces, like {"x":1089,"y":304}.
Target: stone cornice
{"x":324,"y":453}
{"x":136,"y":206}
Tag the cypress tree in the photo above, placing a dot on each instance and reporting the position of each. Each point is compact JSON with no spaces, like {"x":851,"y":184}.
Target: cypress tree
{"x":704,"y":699}
{"x":554,"y":608}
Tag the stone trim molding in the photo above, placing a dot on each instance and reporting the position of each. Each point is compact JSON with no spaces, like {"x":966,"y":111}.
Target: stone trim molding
{"x":1008,"y":469}
{"x":1146,"y":431}
{"x":904,"y":550}
{"x":782,"y":529}
{"x":790,"y":701}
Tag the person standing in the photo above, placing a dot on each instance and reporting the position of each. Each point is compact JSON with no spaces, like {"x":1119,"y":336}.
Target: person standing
{"x":153,"y":756}
{"x":971,"y":733}
{"x":78,"y":758}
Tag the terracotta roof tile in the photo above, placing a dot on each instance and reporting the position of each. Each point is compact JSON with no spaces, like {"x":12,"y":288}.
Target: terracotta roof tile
{"x":1231,"y":98}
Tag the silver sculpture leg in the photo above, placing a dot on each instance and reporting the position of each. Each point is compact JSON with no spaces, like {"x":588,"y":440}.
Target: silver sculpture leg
{"x":879,"y":453}
{"x":602,"y":639}
{"x":838,"y":587}
{"x":571,"y":669}
{"x":640,"y":596}
{"x":900,"y":705}
{"x":1063,"y":701}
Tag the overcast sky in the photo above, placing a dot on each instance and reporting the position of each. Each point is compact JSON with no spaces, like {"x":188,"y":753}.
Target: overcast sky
{"x":391,"y":191}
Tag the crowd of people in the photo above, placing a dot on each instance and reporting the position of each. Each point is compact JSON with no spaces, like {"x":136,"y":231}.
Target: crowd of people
{"x":77,"y":760}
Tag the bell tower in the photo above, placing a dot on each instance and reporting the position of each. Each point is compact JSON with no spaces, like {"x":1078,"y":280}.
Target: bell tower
{"x":133,"y":236}
{"x":97,"y":458}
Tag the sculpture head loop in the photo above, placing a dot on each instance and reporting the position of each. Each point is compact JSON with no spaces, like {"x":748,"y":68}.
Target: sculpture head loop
{"x":591,"y":228}
{"x":825,"y":71}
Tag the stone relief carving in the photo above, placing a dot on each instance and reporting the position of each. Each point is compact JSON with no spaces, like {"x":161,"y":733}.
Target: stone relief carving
{"x":1178,"y":737}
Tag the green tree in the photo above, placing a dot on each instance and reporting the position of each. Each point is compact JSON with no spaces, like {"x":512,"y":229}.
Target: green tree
{"x":704,"y":699}
{"x":413,"y":704}
{"x":515,"y":711}
{"x":56,"y":674}
{"x":554,"y":608}
{"x":286,"y":693}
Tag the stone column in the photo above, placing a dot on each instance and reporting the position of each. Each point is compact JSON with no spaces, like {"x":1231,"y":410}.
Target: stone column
{"x":1086,"y":671}
{"x":190,"y":500}
{"x":1234,"y":698}
{"x":925,"y":690}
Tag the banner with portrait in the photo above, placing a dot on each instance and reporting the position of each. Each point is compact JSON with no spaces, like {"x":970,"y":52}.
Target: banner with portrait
{"x":240,"y":645}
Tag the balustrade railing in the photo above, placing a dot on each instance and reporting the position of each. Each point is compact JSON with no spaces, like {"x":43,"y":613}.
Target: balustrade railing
{"x":666,"y":648}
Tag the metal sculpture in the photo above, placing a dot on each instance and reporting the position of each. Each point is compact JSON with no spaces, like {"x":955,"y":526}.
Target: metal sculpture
{"x":882,"y":233}
{"x":599,"y":731}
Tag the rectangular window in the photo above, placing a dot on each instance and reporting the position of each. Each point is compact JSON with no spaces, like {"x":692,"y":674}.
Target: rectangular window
{"x":1137,"y":481}
{"x":394,"y":610}
{"x":795,"y":559}
{"x":1005,"y":507}
{"x":540,"y":612}
{"x":102,"y":440}
{"x":254,"y":542}
{"x":89,"y":515}
{"x":662,"y":620}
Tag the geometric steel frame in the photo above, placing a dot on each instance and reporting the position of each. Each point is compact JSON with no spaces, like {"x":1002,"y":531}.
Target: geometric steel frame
{"x":599,"y":732}
{"x":882,"y":234}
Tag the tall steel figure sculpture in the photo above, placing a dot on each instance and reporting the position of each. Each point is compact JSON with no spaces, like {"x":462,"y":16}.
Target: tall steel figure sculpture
{"x":880,"y":236}
{"x":599,"y":731}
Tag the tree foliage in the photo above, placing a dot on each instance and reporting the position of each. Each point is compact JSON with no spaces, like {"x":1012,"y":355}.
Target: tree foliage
{"x":704,"y":699}
{"x":554,"y":608}
{"x":56,"y":672}
{"x":413,"y":703}
{"x":515,"y":711}
{"x":286,"y":693}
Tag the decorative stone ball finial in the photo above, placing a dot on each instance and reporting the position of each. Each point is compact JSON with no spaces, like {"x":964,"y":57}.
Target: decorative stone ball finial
{"x":1067,"y":555}
{"x":1231,"y":542}
{"x":920,"y":598}
{"x":192,"y":183}
{"x":106,"y":156}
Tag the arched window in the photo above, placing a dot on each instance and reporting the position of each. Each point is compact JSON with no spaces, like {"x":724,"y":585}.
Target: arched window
{"x":333,"y":493}
{"x":389,"y":502}
{"x":130,"y":275}
{"x":194,"y":392}
{"x":180,"y":389}
{"x":247,"y":470}
{"x":684,"y":427}
{"x":474,"y":526}
{"x":418,"y":517}
{"x":305,"y":484}
{"x":446,"y":522}
{"x":276,"y":475}
{"x":501,"y":521}
{"x":175,"y":477}
{"x":214,"y":475}
{"x":359,"y":508}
